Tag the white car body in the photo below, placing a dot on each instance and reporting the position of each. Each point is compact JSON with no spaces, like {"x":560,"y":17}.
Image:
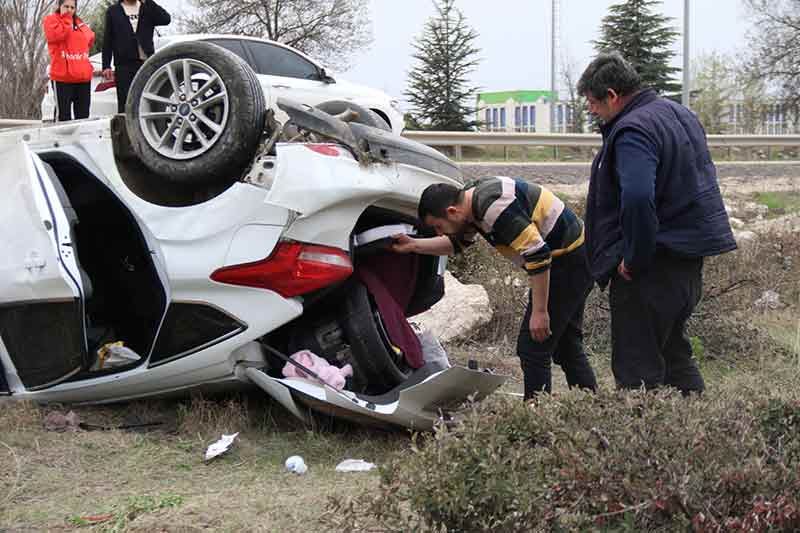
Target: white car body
{"x":321,"y":88}
{"x":313,"y":194}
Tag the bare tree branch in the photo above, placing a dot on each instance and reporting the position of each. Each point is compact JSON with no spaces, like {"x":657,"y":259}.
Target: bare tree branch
{"x":328,"y":30}
{"x":23,"y":64}
{"x":576,"y":103}
{"x":775,"y":45}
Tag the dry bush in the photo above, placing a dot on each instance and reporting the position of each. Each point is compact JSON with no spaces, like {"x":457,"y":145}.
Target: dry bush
{"x":725,"y":320}
{"x":506,"y":285}
{"x":723,"y":324}
{"x":214,"y":417}
{"x":625,"y":461}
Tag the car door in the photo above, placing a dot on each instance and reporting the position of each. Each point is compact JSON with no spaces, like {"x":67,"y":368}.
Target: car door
{"x":289,"y":74}
{"x":42,"y":333}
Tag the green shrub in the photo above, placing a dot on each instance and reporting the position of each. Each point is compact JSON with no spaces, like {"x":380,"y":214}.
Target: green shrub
{"x":613,"y":462}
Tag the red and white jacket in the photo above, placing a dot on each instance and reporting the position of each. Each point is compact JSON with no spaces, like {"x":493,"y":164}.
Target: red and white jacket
{"x":69,"y":48}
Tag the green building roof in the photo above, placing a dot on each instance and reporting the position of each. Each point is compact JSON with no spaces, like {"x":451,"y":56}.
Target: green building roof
{"x":500,"y":97}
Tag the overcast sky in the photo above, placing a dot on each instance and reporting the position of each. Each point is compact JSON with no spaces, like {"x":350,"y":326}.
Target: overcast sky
{"x":514,"y":37}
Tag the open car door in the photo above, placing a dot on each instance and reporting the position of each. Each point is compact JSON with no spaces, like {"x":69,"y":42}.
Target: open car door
{"x":42,"y":333}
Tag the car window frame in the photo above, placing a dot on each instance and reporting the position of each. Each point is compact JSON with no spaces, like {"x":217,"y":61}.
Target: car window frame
{"x":249,"y":45}
{"x":248,"y":56}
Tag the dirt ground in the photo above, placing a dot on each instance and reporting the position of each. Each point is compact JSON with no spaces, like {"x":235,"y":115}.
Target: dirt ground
{"x":128,"y":480}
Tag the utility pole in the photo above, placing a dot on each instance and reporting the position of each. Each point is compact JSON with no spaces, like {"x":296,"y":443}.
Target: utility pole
{"x":687,"y":78}
{"x":555,"y":8}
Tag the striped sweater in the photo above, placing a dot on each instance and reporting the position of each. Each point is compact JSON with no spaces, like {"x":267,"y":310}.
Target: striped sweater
{"x":527,"y":223}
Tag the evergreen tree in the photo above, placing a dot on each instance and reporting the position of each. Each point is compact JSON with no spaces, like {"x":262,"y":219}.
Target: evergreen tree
{"x":713,"y":91}
{"x":645,"y":39}
{"x":438,"y":86}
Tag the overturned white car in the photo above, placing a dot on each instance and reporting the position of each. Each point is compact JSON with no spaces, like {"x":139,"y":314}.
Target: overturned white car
{"x":212,"y":229}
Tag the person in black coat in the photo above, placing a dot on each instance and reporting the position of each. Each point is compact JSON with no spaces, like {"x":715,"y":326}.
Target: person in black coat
{"x":653,"y":212}
{"x":128,"y":40}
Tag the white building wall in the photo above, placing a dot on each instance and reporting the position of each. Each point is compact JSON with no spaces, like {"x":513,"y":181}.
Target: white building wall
{"x":542,"y":115}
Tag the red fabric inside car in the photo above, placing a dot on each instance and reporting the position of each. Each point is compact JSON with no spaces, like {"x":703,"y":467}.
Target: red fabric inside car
{"x":391,"y":280}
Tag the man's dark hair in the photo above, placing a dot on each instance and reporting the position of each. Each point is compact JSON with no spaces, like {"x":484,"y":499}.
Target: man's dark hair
{"x":436,"y":199}
{"x":609,"y":71}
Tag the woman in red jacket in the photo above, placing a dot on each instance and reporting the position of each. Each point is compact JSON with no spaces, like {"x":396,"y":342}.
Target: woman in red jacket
{"x":69,"y":40}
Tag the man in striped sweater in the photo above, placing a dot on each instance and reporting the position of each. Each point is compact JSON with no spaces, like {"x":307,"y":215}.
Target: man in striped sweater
{"x":533,"y":228}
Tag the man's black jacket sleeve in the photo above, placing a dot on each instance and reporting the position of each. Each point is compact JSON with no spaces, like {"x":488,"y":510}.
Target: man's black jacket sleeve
{"x":636,"y":165}
{"x":108,"y":49}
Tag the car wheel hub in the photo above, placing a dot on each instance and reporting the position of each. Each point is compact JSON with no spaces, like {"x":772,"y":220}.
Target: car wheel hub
{"x":183,"y":109}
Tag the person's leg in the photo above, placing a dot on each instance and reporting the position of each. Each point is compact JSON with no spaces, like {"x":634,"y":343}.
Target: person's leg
{"x":571,"y":356}
{"x":643,"y":312}
{"x":124,"y":78}
{"x":681,"y":368}
{"x":570,"y":285}
{"x":534,"y":358}
{"x":64,"y":101}
{"x":83,"y":98}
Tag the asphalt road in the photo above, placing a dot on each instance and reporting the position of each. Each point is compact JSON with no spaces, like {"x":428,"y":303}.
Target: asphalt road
{"x":577,"y":173}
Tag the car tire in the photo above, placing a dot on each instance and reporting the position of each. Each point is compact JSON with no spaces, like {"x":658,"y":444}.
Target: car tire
{"x":207,"y":135}
{"x":376,"y":368}
{"x":367,"y":117}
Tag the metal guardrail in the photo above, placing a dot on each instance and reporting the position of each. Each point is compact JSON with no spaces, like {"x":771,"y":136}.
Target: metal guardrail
{"x":458,"y":139}
{"x":477,"y":138}
{"x":15,"y":123}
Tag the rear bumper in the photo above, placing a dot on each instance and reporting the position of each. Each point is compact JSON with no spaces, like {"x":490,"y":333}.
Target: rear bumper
{"x":418,"y":407}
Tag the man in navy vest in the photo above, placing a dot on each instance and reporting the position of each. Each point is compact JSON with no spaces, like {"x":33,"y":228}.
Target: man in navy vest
{"x":653,"y":212}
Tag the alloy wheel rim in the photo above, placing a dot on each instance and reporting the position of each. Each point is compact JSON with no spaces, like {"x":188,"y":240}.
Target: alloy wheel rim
{"x":183,"y":109}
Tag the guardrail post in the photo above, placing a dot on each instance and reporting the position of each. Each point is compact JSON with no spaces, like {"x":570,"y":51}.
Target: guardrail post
{"x":505,"y":152}
{"x":457,"y":152}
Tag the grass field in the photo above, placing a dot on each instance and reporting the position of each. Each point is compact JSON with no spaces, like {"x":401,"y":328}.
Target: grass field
{"x":157,"y":481}
{"x":123,"y":480}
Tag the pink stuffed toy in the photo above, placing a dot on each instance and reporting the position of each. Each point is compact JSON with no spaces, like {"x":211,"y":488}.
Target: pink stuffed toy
{"x":332,"y":375}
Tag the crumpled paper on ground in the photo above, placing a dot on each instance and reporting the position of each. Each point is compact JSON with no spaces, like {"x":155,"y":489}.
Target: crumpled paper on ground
{"x":354,"y":465}
{"x":221,"y":446}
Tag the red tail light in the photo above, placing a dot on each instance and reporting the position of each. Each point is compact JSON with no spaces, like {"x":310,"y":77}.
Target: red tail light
{"x":105,"y":85}
{"x":293,"y":269}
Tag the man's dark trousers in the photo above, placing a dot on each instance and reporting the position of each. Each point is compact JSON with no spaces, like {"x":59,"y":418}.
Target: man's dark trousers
{"x":570,"y":284}
{"x":648,"y":325}
{"x":124,"y":75}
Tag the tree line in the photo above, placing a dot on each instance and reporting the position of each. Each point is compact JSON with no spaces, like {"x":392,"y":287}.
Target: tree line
{"x":763,"y":79}
{"x":730,"y":94}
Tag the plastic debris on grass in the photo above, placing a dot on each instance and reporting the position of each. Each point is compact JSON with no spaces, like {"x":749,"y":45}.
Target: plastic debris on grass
{"x":296,"y":465}
{"x":221,"y":446}
{"x":354,"y":465}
